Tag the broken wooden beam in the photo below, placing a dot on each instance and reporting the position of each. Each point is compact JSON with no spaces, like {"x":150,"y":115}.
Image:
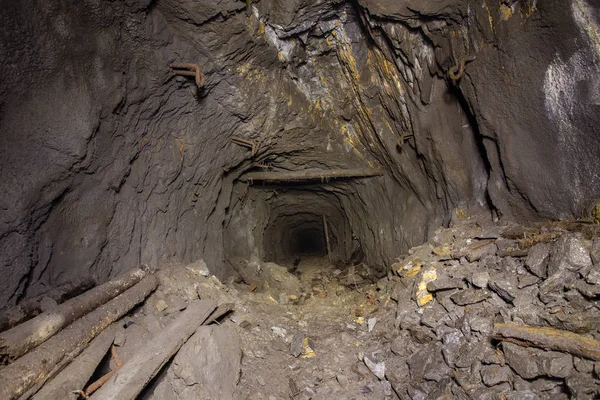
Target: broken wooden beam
{"x":131,"y":379}
{"x":19,"y":340}
{"x":49,"y":358}
{"x":28,"y":309}
{"x":79,"y":372}
{"x":309,"y":175}
{"x":548,"y":339}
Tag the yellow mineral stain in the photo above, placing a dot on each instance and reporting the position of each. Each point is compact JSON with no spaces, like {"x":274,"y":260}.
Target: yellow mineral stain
{"x":423,"y":296}
{"x":505,"y":12}
{"x":490,"y":20}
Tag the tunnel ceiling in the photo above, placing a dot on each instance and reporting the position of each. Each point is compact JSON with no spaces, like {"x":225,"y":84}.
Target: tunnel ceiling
{"x":109,"y":160}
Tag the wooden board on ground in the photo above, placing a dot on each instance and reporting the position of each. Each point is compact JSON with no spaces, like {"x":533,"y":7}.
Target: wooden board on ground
{"x":131,"y":379}
{"x":79,"y":372}
{"x":27,"y":374}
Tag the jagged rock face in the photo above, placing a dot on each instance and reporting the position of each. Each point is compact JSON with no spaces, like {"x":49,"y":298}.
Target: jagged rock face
{"x":108,"y":160}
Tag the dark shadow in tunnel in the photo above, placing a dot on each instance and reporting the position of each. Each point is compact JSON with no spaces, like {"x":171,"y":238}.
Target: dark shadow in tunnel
{"x":307,"y":242}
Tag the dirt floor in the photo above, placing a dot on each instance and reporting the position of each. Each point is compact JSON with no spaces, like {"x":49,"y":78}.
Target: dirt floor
{"x":425,"y":330}
{"x":328,"y":326}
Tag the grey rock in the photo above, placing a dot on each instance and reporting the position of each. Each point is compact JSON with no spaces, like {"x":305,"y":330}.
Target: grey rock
{"x":522,"y":395}
{"x":582,"y":386}
{"x":421,"y":334}
{"x":555,"y":284}
{"x":492,"y":356}
{"x":297,"y":344}
{"x":587,"y":290}
{"x":491,"y":393}
{"x":504,"y":287}
{"x":469,"y":379}
{"x":469,"y":353}
{"x":47,"y":304}
{"x":452,"y":343}
{"x":483,"y":325}
{"x":579,"y":322}
{"x":402,"y":345}
{"x":434,"y":316}
{"x":595,"y":251}
{"x":477,"y":251}
{"x":377,"y":368}
{"x":209,"y":361}
{"x":445,"y":284}
{"x":400,"y":290}
{"x":470,"y":296}
{"x":570,"y":253}
{"x":494,"y":374}
{"x":582,"y":365}
{"x":423,"y":360}
{"x":407,"y":318}
{"x":537,"y":260}
{"x":520,"y":360}
{"x":527,"y":280}
{"x":555,"y":364}
{"x":537,"y":385}
{"x":530,"y":363}
{"x":480,"y":279}
{"x":593,"y":277}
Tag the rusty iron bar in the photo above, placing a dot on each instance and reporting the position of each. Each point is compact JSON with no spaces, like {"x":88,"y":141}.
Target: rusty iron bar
{"x":102,"y":380}
{"x":253,"y":146}
{"x":403,"y":138}
{"x":456,"y":72}
{"x":189,"y":69}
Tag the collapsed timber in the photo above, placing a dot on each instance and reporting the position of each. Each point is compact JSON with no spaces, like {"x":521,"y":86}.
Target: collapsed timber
{"x":54,"y":354}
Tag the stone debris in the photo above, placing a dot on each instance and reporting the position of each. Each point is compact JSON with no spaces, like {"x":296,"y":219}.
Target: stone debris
{"x":371,"y":323}
{"x":462,"y":317}
{"x":552,"y":281}
{"x":377,"y":368}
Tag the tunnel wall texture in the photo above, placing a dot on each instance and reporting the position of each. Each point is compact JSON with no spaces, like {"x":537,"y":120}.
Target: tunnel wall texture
{"x":109,"y":161}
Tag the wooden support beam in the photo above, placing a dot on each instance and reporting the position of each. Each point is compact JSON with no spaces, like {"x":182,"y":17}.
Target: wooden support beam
{"x":28,"y":309}
{"x":326,"y":228}
{"x":131,"y":379}
{"x":309,"y":175}
{"x":19,"y":340}
{"x":548,"y":339}
{"x":26,"y":375}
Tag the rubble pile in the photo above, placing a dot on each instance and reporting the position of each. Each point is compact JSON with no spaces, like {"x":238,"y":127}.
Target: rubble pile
{"x":497,"y":312}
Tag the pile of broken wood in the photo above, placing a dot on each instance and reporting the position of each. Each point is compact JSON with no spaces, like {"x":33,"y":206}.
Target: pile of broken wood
{"x":54,"y":353}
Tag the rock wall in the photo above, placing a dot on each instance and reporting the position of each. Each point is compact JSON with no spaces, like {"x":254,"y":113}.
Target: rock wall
{"x":109,"y":161}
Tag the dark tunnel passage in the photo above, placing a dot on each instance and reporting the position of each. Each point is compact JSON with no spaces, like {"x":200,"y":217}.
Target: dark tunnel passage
{"x":292,"y":223}
{"x":309,"y":241}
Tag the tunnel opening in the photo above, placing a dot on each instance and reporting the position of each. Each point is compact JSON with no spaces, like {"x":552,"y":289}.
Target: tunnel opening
{"x":307,"y":241}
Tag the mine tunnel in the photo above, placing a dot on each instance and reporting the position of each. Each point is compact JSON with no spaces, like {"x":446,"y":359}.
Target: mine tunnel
{"x":271,"y":199}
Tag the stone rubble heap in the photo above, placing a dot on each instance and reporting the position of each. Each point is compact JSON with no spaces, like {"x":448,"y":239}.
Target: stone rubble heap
{"x":454,"y":291}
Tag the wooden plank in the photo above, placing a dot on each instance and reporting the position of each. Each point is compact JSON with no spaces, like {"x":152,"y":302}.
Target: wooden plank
{"x":131,"y":379}
{"x":19,"y":340}
{"x":48,"y":359}
{"x":548,"y":339}
{"x":79,"y":372}
{"x":309,"y":175}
